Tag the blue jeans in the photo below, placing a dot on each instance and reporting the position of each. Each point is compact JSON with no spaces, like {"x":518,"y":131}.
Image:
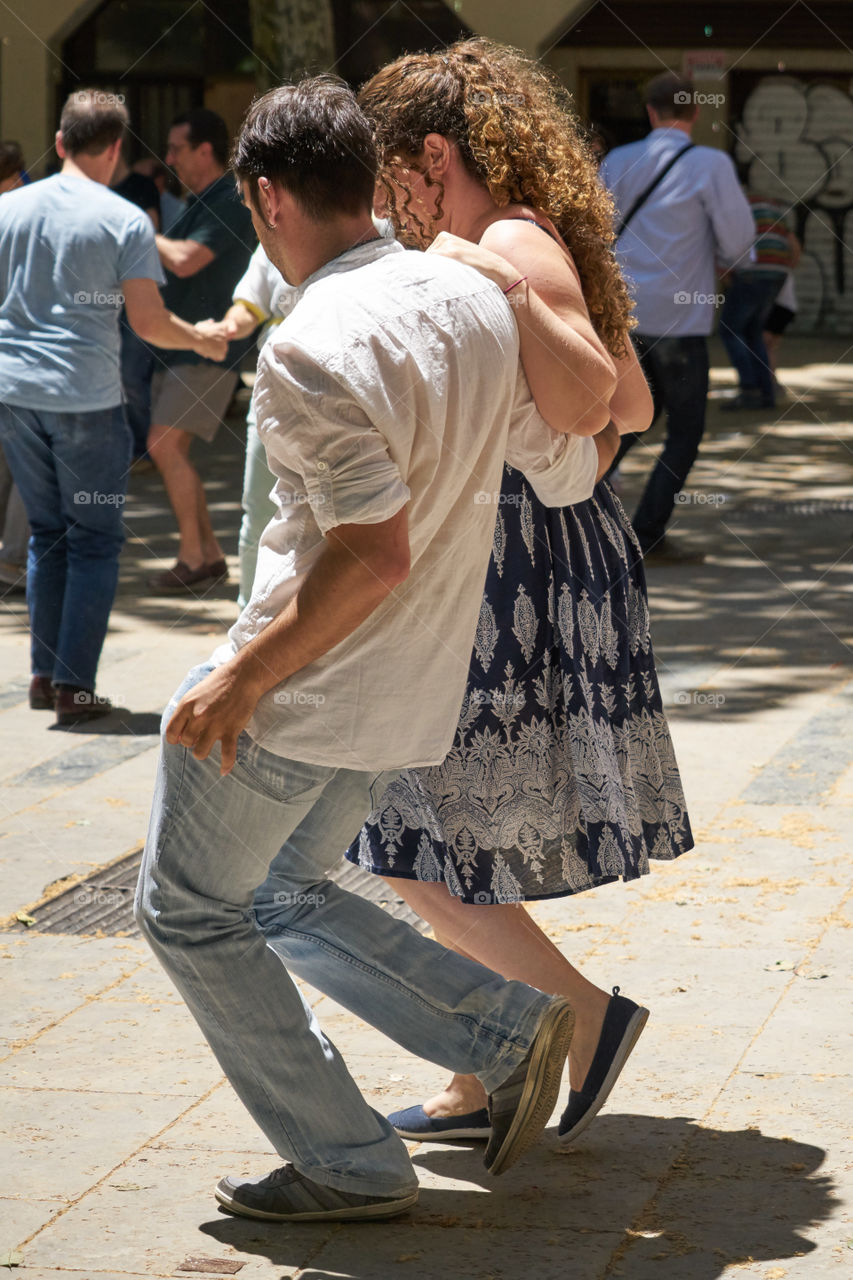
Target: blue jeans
{"x":71,"y":469}
{"x":258,"y":510}
{"x":677,"y":372}
{"x":748,"y":301}
{"x":234,"y":887}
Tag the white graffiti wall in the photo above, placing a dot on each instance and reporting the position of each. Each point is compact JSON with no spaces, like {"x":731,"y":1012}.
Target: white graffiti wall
{"x":797,"y":140}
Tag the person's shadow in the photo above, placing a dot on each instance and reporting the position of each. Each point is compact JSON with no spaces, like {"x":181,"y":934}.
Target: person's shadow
{"x":640,"y":1198}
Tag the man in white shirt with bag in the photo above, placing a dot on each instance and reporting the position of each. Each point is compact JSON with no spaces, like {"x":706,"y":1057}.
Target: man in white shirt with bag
{"x":387,"y":401}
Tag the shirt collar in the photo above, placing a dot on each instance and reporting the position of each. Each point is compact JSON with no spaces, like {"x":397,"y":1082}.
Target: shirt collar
{"x":358,"y":256}
{"x":211,"y":186}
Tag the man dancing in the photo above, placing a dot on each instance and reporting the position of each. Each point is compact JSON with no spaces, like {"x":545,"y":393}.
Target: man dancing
{"x":387,"y":401}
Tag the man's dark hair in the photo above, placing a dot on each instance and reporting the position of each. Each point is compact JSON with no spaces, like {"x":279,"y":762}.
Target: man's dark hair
{"x":313,"y":139}
{"x":11,"y":160}
{"x":91,"y":121}
{"x":671,"y":95}
{"x":206,"y":126}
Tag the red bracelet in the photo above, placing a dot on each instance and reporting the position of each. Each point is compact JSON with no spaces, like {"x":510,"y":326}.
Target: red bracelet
{"x":512,"y":286}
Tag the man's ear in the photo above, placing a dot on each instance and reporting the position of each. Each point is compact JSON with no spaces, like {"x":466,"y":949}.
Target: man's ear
{"x":437,"y":154}
{"x":269,"y":202}
{"x":60,"y":149}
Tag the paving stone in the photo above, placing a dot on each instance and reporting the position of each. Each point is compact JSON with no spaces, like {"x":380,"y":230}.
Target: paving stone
{"x":20,"y":1218}
{"x":45,"y":977}
{"x":119,"y":1047}
{"x":159,"y":1209}
{"x":60,"y":1143}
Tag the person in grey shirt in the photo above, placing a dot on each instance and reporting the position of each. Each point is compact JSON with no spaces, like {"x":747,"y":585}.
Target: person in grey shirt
{"x":680,"y":211}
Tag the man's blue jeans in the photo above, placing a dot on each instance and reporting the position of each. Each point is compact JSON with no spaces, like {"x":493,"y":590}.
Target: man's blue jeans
{"x":71,"y":470}
{"x":234,"y":887}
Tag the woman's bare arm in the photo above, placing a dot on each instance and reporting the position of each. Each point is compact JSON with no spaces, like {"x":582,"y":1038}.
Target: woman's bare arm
{"x":631,"y":405}
{"x":571,"y":375}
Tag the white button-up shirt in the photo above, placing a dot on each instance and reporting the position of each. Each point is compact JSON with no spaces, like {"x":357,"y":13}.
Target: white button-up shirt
{"x":394,"y":382}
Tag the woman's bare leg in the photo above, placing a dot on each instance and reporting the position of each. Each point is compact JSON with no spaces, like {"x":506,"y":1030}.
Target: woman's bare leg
{"x":505,"y":938}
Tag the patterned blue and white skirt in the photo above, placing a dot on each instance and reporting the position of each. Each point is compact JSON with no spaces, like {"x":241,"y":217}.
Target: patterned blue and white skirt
{"x":562,"y":775}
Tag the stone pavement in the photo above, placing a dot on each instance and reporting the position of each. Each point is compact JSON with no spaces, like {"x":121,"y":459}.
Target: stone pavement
{"x":726,"y":1148}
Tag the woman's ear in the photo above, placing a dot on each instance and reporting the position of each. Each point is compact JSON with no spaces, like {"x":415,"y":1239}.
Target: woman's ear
{"x":437,"y":154}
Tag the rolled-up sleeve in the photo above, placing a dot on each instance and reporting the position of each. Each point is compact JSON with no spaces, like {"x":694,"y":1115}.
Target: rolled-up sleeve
{"x":311,"y":425}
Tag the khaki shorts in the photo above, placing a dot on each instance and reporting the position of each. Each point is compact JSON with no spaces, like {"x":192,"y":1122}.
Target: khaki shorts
{"x":193,"y":397}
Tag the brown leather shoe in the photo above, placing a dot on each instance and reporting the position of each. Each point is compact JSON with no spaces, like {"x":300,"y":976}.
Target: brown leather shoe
{"x":42,"y":694}
{"x":76,"y":706}
{"x":218,"y":570}
{"x":179,"y":578}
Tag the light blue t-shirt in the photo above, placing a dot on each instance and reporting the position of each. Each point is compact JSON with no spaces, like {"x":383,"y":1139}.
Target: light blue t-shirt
{"x":66,"y":246}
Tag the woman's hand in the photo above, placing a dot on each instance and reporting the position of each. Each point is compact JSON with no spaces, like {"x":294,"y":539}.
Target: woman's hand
{"x":489,"y":264}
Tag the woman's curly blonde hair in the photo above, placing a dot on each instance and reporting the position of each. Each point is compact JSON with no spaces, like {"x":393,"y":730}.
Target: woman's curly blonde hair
{"x":517,"y":132}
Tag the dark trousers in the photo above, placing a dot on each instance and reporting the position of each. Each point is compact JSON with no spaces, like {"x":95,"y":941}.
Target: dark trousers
{"x":677,"y":373}
{"x":748,"y":301}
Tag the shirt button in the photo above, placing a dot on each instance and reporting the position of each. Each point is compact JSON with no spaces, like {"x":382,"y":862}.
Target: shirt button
{"x":321,"y":466}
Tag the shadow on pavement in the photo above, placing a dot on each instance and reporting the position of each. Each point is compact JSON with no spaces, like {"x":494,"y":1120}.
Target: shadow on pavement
{"x":666,"y":1198}
{"x":120,"y":722}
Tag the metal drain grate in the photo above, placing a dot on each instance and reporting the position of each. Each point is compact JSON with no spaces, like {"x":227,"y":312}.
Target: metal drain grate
{"x":103,"y":902}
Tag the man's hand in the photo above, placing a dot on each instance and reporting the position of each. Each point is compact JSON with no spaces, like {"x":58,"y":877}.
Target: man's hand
{"x":224,"y":328}
{"x":211,"y":343}
{"x":489,"y":264}
{"x":216,"y":710}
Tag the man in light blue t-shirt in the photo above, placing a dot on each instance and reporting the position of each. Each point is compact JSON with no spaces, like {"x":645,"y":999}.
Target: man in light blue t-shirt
{"x":71,"y":253}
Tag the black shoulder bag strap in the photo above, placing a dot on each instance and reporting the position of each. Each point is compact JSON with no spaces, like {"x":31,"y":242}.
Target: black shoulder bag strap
{"x":656,"y":180}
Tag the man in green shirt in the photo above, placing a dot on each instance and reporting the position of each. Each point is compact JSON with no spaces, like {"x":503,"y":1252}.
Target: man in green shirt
{"x":205,"y":254}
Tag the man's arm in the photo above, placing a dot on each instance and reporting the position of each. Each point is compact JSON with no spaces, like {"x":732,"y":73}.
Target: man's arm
{"x":728,"y":210}
{"x":359,"y":567}
{"x":149,"y":319}
{"x":238,"y":322}
{"x":183,"y":257}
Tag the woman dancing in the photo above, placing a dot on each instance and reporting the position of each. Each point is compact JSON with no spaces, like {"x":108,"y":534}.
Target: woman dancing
{"x":562,"y":775}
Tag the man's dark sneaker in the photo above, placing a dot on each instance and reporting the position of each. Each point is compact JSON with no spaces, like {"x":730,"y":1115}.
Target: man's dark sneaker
{"x":42,"y":694}
{"x":77,"y":706}
{"x":623,"y":1022}
{"x":520,"y":1108}
{"x":288,"y":1196}
{"x":747,"y":400}
{"x":667,"y":551}
{"x":179,"y":579}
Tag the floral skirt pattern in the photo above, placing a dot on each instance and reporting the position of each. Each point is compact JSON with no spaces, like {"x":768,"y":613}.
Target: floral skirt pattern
{"x":562,"y":775}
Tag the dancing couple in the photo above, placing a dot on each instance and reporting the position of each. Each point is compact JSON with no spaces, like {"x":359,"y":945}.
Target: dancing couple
{"x":409,"y":445}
